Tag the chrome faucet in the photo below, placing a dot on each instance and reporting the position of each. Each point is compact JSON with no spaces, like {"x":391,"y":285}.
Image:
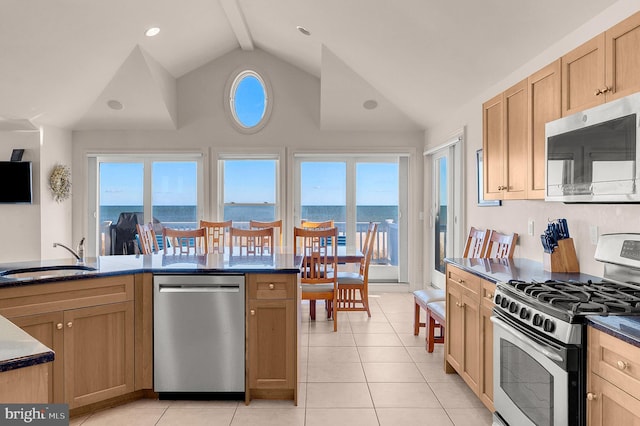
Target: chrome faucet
{"x":79,"y":254}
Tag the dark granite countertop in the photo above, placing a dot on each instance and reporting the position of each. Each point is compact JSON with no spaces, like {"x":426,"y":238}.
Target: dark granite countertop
{"x":502,"y":270}
{"x":18,"y":349}
{"x":154,"y":263}
{"x":625,"y":328}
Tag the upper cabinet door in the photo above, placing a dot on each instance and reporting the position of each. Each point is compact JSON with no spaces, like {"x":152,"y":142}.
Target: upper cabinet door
{"x":583,"y":76}
{"x":516,"y":133}
{"x":544,"y":106}
{"x":623,"y":58}
{"x":493,"y":147}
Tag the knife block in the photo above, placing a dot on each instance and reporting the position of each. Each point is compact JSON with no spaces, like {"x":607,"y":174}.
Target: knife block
{"x":563,"y":258}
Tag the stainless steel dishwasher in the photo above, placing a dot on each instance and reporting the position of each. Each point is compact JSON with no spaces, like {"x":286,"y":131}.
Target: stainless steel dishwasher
{"x":199,"y":341}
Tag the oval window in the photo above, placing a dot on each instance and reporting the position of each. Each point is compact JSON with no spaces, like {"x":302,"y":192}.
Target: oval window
{"x":248,"y":99}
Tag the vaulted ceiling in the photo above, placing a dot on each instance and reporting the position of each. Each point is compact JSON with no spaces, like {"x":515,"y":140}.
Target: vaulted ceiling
{"x":61,"y":61}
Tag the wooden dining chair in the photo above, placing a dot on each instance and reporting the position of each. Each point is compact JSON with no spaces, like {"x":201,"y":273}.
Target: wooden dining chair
{"x":216,"y":234}
{"x":181,"y":241}
{"x":476,"y":243}
{"x":251,"y":242}
{"x":325,"y":224}
{"x":147,"y":238}
{"x":501,"y":245}
{"x":353,"y":287}
{"x":318,"y":274}
{"x":275,"y":225}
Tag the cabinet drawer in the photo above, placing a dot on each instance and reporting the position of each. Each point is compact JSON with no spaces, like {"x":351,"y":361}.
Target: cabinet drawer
{"x":615,"y":361}
{"x":63,"y":295}
{"x":488,"y":288}
{"x":272,"y":286}
{"x":470,"y":283}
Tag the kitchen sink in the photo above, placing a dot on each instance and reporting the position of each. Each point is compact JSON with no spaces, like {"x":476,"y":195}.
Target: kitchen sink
{"x":41,"y":272}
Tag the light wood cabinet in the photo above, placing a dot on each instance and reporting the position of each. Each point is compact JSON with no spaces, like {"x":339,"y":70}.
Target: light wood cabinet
{"x":469,"y":333}
{"x":90,"y":326}
{"x":272,"y":341}
{"x":544,"y":106}
{"x":486,"y":345}
{"x":613,"y":391}
{"x":505,"y":132}
{"x":603,"y":69}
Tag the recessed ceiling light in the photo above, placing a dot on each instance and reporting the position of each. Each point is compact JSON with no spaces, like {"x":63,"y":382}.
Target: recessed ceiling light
{"x":370,"y":104}
{"x":303,"y":30}
{"x":115,"y":105}
{"x":151,"y":32}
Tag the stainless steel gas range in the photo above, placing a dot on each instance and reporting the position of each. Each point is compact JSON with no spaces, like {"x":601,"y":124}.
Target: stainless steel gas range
{"x":540,"y":336}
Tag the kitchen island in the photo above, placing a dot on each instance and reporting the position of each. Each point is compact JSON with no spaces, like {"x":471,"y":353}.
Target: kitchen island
{"x":99,"y":322}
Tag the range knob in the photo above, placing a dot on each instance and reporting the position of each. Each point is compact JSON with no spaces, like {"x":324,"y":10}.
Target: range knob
{"x":538,"y":320}
{"x":524,"y":313}
{"x":504,"y":303}
{"x":498,"y":299}
{"x":513,"y":307}
{"x":549,"y":326}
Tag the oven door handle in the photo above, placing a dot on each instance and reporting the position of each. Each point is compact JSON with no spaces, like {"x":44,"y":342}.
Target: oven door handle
{"x":523,"y":338}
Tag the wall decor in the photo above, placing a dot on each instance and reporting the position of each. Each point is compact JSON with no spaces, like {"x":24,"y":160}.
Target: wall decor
{"x":60,"y":183}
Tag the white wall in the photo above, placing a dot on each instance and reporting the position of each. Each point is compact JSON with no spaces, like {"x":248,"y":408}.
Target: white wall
{"x":55,"y":217}
{"x":20,"y":223}
{"x":512,"y":216}
{"x":294,"y":126}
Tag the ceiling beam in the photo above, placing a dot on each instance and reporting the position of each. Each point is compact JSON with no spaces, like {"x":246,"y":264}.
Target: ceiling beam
{"x":238,"y":23}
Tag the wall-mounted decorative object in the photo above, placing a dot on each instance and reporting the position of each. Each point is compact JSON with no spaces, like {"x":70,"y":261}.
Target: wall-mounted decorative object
{"x":60,"y":183}
{"x":480,"y":176}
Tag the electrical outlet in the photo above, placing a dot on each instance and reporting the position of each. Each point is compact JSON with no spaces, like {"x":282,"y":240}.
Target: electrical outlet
{"x":593,"y":233}
{"x":530,"y":227}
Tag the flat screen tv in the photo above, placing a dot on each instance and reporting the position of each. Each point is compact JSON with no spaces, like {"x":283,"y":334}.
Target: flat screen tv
{"x":15,"y":182}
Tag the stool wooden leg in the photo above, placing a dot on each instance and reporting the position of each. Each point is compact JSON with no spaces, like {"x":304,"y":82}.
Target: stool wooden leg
{"x":312,"y":309}
{"x":431,"y":325}
{"x":416,"y":320}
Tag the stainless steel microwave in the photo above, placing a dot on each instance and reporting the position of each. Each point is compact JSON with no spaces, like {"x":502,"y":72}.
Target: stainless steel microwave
{"x":593,"y":156}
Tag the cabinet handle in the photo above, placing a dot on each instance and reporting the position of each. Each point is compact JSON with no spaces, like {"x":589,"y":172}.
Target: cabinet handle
{"x":252,"y":311}
{"x":69,"y":324}
{"x":597,"y":92}
{"x":272,"y":286}
{"x":490,"y":296}
{"x":622,"y":365}
{"x":59,"y":326}
{"x":592,"y":396}
{"x":460,"y":280}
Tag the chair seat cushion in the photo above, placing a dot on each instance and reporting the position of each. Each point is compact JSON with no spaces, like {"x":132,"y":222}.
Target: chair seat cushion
{"x":438,"y":308}
{"x":317,"y":288}
{"x":349,"y":278}
{"x":429,"y":295}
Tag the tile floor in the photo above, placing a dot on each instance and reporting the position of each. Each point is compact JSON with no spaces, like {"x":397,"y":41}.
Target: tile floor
{"x":373,"y":371}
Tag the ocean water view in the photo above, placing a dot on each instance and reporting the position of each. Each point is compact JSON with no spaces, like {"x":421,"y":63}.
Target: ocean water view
{"x":263,"y":213}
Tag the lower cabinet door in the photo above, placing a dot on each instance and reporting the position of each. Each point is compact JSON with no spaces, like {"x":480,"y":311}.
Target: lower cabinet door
{"x":272,"y":345}
{"x":99,"y":353}
{"x":609,"y":405}
{"x":48,"y":329}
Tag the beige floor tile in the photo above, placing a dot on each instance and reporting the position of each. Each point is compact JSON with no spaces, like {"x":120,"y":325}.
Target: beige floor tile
{"x":455,"y":395}
{"x":403,"y":395}
{"x":333,"y":354}
{"x":413,"y":416}
{"x":384,"y":354}
{"x":338,"y":395}
{"x":129,"y":417}
{"x":434,"y":372}
{"x":387,"y":339}
{"x":197,"y":417}
{"x":78,"y":420}
{"x":470,"y":416}
{"x":341,"y":417}
{"x":420,"y":354}
{"x":390,"y":372}
{"x":331,"y":339}
{"x":408,"y":339}
{"x":402,"y":327}
{"x":371,"y":327}
{"x":335,"y":372}
{"x":269,"y":417}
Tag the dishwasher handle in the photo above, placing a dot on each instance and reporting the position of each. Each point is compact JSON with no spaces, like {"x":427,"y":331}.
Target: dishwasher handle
{"x":190,"y":288}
